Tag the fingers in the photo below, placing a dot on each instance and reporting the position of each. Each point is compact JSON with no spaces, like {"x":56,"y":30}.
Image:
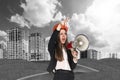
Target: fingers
{"x":65,"y":21}
{"x":59,"y":27}
{"x":74,"y":53}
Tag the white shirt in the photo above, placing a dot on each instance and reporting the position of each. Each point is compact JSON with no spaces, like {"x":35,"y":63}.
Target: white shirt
{"x":64,"y":64}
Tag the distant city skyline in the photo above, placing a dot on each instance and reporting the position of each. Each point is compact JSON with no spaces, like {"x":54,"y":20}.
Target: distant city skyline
{"x":97,"y":19}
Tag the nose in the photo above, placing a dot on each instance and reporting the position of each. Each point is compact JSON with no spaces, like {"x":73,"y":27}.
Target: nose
{"x":64,"y":35}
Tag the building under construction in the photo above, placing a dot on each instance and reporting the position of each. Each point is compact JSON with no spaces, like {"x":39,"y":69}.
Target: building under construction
{"x":36,"y":47}
{"x":17,"y":45}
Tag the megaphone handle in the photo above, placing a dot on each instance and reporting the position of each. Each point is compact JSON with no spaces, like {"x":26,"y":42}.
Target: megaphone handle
{"x":78,"y":55}
{"x":77,"y":51}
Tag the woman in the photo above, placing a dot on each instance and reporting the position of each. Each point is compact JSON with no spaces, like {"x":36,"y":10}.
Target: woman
{"x":63,"y":60}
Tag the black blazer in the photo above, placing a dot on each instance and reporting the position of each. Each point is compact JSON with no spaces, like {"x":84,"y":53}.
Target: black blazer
{"x":51,"y":49}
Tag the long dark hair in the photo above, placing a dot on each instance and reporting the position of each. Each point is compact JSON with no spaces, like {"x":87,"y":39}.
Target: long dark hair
{"x":58,"y":49}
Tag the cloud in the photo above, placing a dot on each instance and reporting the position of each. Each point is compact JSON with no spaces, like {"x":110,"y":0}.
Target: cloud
{"x":117,"y":47}
{"x":59,"y":17}
{"x":37,"y":13}
{"x":20,"y":20}
{"x":78,"y":6}
{"x":79,"y":24}
{"x":105,"y":15}
{"x":3,"y":33}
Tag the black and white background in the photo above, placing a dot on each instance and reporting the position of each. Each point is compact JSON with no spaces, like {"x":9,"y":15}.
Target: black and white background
{"x":98,"y":19}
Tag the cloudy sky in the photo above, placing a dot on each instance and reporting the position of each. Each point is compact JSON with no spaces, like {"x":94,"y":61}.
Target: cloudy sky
{"x":99,"y":20}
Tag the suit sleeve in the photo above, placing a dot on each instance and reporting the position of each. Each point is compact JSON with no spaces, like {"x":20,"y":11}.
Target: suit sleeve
{"x":71,"y":62}
{"x":52,"y":42}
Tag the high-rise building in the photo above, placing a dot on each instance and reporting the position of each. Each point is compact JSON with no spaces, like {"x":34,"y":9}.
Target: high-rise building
{"x":36,"y":47}
{"x":1,"y":52}
{"x":17,"y":45}
{"x":113,"y":55}
{"x":93,"y":54}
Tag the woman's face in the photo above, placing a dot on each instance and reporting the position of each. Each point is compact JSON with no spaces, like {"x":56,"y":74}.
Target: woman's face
{"x":63,"y":36}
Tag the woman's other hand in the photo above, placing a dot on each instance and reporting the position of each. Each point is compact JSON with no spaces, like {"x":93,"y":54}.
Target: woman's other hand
{"x":59,"y":27}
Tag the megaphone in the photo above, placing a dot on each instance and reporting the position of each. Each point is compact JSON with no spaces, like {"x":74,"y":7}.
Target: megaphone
{"x":80,"y":43}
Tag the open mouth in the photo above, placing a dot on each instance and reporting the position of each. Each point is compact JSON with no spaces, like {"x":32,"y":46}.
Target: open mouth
{"x":63,"y":39}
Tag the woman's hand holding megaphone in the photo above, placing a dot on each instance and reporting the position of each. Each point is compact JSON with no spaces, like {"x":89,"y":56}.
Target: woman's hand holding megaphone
{"x":74,"y":53}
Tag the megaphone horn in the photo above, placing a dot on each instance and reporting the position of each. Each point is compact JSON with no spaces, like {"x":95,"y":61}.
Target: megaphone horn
{"x":81,"y":43}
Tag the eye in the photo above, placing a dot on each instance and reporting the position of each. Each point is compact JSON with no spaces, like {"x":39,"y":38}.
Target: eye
{"x":65,"y":33}
{"x":61,"y":33}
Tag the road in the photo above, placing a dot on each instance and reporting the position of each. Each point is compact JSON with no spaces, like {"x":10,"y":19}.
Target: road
{"x":46,"y":76}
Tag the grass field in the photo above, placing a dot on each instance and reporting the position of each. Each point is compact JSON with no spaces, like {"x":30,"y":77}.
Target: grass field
{"x":109,"y":69}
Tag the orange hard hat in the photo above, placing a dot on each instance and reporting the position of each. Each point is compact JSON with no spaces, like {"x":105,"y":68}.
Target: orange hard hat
{"x":62,"y":27}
